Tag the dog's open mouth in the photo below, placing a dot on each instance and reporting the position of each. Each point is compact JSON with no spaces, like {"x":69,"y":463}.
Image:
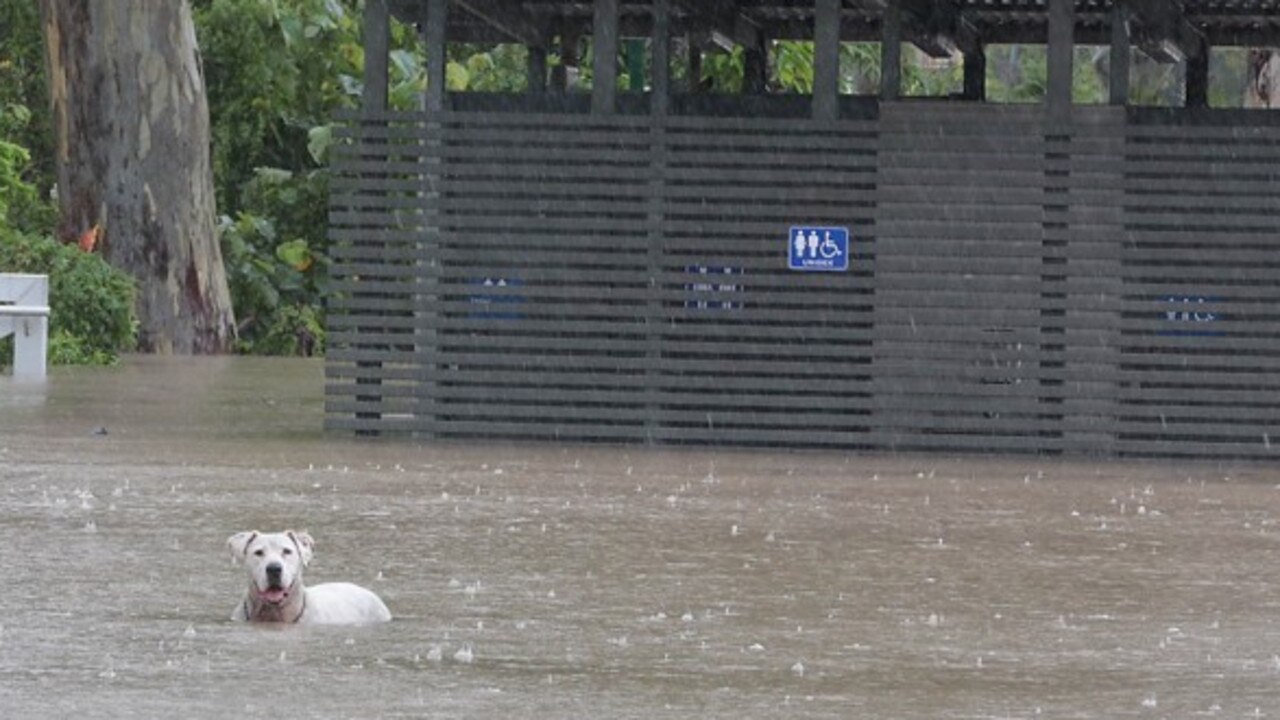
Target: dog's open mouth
{"x":273,"y":595}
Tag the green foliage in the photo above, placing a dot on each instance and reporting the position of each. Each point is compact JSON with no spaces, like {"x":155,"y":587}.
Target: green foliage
{"x":860,"y":68}
{"x":923,"y":76}
{"x":1090,"y":80}
{"x":20,"y":204}
{"x":274,"y":70}
{"x":1228,"y":77}
{"x":91,"y":304}
{"x":24,"y":101}
{"x":277,"y":72}
{"x":26,"y":152}
{"x":1020,"y":74}
{"x":14,"y":192}
{"x":296,"y":330}
{"x":1017,"y":73}
{"x":275,"y":266}
{"x":499,"y":68}
{"x":724,"y":72}
{"x":793,"y":66}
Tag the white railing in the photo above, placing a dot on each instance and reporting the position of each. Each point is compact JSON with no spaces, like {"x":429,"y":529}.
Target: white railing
{"x":24,"y":314}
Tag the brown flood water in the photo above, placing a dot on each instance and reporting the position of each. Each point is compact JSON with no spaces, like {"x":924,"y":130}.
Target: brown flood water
{"x":607,"y":582}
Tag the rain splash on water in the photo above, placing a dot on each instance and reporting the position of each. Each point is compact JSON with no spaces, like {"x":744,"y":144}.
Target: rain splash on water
{"x":571,"y":582}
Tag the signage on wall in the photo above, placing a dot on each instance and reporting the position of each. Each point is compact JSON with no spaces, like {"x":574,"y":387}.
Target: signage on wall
{"x":492,"y":300}
{"x":715,"y":287}
{"x":1190,"y":316}
{"x":818,"y":249}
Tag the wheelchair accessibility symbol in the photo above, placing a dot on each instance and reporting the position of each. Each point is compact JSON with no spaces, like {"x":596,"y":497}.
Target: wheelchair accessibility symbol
{"x":818,"y":249}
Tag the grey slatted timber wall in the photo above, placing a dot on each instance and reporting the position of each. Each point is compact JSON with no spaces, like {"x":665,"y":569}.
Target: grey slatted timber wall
{"x":1081,"y":285}
{"x":602,"y":279}
{"x":1105,"y":285}
{"x":960,"y":359}
{"x":543,"y":278}
{"x":1200,"y":362}
{"x":749,"y":351}
{"x":377,"y":229}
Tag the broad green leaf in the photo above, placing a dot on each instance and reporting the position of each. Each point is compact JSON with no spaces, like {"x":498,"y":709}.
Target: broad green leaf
{"x":319,"y":140}
{"x":456,"y":77}
{"x":274,"y":176}
{"x":296,"y":254}
{"x":405,"y":62}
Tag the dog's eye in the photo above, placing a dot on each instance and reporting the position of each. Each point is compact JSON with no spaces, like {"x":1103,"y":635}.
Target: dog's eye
{"x":287,"y":551}
{"x":259,"y":552}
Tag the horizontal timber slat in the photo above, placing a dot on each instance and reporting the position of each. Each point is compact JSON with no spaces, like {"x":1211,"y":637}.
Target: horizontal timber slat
{"x":1104,"y":285}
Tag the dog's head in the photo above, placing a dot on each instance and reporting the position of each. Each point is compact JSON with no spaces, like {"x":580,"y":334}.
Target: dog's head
{"x":274,"y":562}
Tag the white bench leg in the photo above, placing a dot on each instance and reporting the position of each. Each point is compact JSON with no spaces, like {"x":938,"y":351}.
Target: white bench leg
{"x":30,"y":348}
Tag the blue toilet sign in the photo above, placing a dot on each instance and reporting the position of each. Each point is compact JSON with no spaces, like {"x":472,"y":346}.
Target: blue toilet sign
{"x":818,"y":249}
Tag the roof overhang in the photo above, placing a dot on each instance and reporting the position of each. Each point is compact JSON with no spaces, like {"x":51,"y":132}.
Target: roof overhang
{"x":1165,"y":29}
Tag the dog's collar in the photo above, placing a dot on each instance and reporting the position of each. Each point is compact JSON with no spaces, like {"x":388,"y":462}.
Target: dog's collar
{"x":304,"y":607}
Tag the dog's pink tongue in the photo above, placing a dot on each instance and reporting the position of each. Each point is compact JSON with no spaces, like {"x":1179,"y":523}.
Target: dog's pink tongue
{"x":273,"y":595}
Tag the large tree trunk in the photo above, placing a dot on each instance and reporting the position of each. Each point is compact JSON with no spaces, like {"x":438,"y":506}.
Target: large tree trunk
{"x":131,"y":125}
{"x":1262,"y":89}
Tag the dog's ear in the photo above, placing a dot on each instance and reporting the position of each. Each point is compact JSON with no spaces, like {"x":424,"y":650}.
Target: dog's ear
{"x":304,"y":542}
{"x":238,"y":544}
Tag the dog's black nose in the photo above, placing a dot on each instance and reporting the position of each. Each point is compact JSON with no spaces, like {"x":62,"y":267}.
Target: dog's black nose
{"x":274,"y":570}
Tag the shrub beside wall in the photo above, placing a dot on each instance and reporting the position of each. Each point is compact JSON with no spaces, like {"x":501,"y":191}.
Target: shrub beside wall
{"x":91,"y":317}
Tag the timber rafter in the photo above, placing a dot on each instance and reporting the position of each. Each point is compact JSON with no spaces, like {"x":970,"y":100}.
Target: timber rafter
{"x":1165,"y":29}
{"x":510,"y":19}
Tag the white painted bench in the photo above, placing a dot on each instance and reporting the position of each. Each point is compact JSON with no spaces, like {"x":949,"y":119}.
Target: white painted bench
{"x":24,"y":314}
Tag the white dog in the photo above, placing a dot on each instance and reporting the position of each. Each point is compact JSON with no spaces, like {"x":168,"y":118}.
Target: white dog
{"x":276,"y":593}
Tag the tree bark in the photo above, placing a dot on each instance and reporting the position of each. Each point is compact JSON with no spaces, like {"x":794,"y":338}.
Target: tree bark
{"x":1262,"y":89}
{"x":131,"y":126}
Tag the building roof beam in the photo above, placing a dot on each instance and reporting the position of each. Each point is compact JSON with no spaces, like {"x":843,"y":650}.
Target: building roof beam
{"x":1160,"y":29}
{"x":722,"y":17}
{"x":507,"y":18}
{"x":939,"y":28}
